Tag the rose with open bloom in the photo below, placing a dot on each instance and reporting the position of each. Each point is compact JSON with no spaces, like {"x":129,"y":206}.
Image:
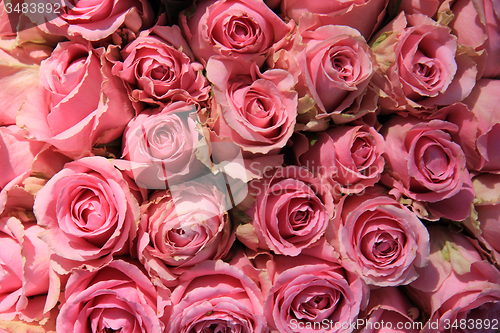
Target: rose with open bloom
{"x":380,"y":239}
{"x":215,"y":296}
{"x":78,"y":102}
{"x":291,"y":211}
{"x":243,"y":29}
{"x":182,"y":227}
{"x":89,"y":212}
{"x":424,"y":164}
{"x":116,"y":298}
{"x":158,"y":68}
{"x":420,"y":65}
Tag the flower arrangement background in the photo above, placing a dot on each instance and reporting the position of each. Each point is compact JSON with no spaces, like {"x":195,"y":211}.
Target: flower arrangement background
{"x":250,"y":166}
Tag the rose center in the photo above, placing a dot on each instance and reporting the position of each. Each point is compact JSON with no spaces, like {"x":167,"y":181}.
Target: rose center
{"x":360,"y":152}
{"x":342,"y":64}
{"x":435,"y":160}
{"x":160,"y":73}
{"x":314,"y":304}
{"x":179,"y":237}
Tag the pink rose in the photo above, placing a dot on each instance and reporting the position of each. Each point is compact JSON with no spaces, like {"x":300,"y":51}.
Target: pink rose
{"x":457,"y":287}
{"x":380,"y":239}
{"x":389,"y":311}
{"x":348,"y":156}
{"x":291,"y":211}
{"x":161,"y":146}
{"x":339,"y":13}
{"x":24,"y":268}
{"x":420,"y":65}
{"x":182,"y":227}
{"x":88,"y":211}
{"x":424,"y":164}
{"x":95,"y":21}
{"x":254,"y":110}
{"x":78,"y":102}
{"x":243,"y":29}
{"x":158,"y":68}
{"x":309,"y":294}
{"x":335,"y":65}
{"x":117,"y":298}
{"x":219,"y":297}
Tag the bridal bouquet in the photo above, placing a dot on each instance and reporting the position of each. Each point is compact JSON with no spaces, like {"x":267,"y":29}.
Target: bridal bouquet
{"x":249,"y":166}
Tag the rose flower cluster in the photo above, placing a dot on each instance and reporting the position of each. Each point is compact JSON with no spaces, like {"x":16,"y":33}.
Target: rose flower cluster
{"x":250,"y":166}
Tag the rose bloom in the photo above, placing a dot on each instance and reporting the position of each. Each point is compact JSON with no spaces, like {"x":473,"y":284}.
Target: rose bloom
{"x":254,"y":110}
{"x":182,"y":227}
{"x":424,"y":164}
{"x":215,"y":296}
{"x":349,"y":157}
{"x":334,"y":66}
{"x":380,"y":239}
{"x":158,"y":68}
{"x":161,"y":146}
{"x":420,"y":66}
{"x":78,"y":102}
{"x":291,"y":211}
{"x":95,"y":21}
{"x":244,"y":29}
{"x":116,"y":298}
{"x":308,"y":292}
{"x":457,"y":286}
{"x":339,"y":13}
{"x":89,"y":212}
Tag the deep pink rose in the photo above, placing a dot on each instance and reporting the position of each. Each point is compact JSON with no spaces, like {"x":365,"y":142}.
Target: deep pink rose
{"x":291,"y":211}
{"x":182,"y":227}
{"x":424,"y":164}
{"x":380,"y":239}
{"x":24,"y":271}
{"x":161,"y":146}
{"x":96,"y":20}
{"x":420,"y":66}
{"x":243,"y":29}
{"x":255,"y":110}
{"x":457,"y":286}
{"x":158,"y":68}
{"x":477,"y":24}
{"x":219,"y":297}
{"x":349,"y":157}
{"x":389,"y":311}
{"x":309,"y":294}
{"x":78,"y":102}
{"x":117,"y":298}
{"x":89,"y":212}
{"x":346,"y":12}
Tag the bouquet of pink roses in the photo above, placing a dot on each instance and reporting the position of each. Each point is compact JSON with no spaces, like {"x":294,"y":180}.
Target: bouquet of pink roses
{"x":249,"y":166}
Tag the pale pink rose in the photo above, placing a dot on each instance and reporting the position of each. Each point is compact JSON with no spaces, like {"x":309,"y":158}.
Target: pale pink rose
{"x":309,"y":294}
{"x":24,"y":271}
{"x":216,"y":296}
{"x":89,"y":212}
{"x":158,"y":68}
{"x":349,"y":157}
{"x":380,"y":239}
{"x":255,"y":110}
{"x":477,"y":24}
{"x":16,"y":153}
{"x":420,"y":66}
{"x":347,"y":12}
{"x":245,"y":29}
{"x":96,"y":20}
{"x":291,"y":212}
{"x":335,"y":65}
{"x":457,"y":286}
{"x":389,"y":311}
{"x":117,"y":298}
{"x":161,"y":146}
{"x":424,"y":164}
{"x":78,"y":102}
{"x":182,"y":227}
